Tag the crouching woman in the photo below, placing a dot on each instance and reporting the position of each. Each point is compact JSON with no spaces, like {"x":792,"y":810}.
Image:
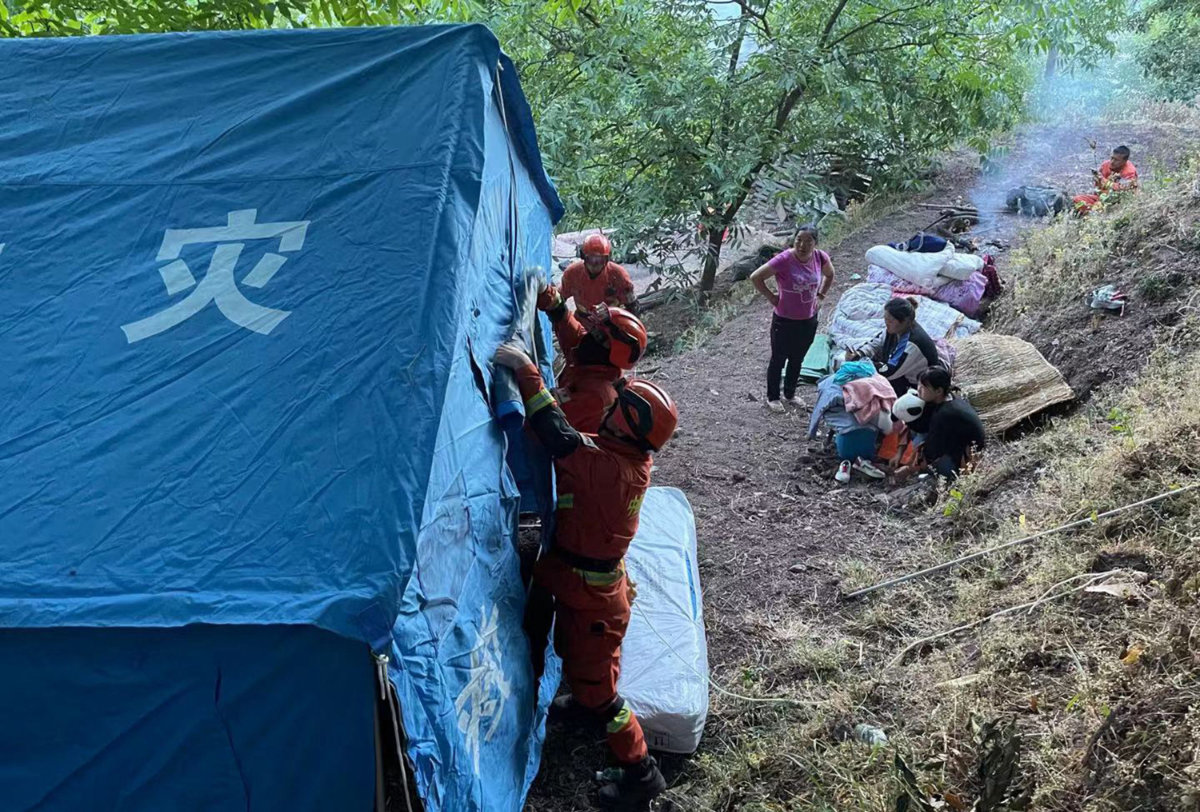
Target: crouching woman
{"x":903,"y":351}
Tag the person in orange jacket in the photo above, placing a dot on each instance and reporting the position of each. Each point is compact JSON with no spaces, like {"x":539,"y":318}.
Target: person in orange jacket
{"x":580,"y":582}
{"x":1116,"y":175}
{"x":595,"y":279}
{"x":597,"y":356}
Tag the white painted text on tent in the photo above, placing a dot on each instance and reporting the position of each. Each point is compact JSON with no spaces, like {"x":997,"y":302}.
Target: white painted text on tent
{"x":218,"y":285}
{"x":483,"y":699}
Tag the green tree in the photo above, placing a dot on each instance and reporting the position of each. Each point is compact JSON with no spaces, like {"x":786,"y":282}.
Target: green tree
{"x":661,"y":116}
{"x":657,"y":115}
{"x":73,"y":17}
{"x":1168,"y":51}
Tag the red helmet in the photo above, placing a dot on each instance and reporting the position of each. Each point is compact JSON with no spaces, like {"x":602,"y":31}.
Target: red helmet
{"x":645,"y":411}
{"x":596,"y":245}
{"x":626,"y":338}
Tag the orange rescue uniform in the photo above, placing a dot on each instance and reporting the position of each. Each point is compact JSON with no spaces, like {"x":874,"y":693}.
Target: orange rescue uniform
{"x":586,"y":384}
{"x":1108,"y":183}
{"x":601,"y":483}
{"x":612,"y":286}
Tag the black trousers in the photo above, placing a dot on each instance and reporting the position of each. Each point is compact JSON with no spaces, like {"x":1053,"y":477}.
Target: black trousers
{"x":901,"y":385}
{"x":946,"y":466}
{"x":790,"y":340}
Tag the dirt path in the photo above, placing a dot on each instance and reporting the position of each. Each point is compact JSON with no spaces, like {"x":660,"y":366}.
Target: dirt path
{"x":774,"y":528}
{"x":772,"y":522}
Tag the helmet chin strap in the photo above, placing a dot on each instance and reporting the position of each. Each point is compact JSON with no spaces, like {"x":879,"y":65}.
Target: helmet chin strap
{"x":633,"y":439}
{"x":608,"y":430}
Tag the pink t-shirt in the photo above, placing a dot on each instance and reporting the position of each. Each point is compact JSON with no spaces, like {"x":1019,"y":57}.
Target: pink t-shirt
{"x":798,"y":283}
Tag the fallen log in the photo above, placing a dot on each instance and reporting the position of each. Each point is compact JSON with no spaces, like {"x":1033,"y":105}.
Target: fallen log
{"x":652,"y":300}
{"x":946,"y":207}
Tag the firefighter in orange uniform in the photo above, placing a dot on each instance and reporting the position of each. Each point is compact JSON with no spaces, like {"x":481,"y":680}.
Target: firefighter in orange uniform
{"x":602,"y":479}
{"x":596,"y":279}
{"x":598,"y":354}
{"x":1115,"y":176}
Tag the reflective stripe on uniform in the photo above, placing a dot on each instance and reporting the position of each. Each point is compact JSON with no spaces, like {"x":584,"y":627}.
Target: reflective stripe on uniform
{"x":594,"y":578}
{"x":540,"y":401}
{"x":621,"y":720}
{"x":600,"y":578}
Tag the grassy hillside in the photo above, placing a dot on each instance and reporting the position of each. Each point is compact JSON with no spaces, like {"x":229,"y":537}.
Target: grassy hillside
{"x":1089,"y":700}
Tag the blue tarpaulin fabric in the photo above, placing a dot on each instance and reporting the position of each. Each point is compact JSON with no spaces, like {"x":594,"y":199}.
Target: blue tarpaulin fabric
{"x":203,"y":717}
{"x":249,"y":286}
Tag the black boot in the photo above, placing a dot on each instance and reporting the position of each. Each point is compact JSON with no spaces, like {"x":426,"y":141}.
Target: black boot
{"x":566,"y":710}
{"x":637,"y":786}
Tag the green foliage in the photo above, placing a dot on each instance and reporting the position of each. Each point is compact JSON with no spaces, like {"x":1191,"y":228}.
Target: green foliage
{"x":661,"y":118}
{"x":1161,"y":286}
{"x":664,"y":115}
{"x":1168,"y":52}
{"x":31,"y":18}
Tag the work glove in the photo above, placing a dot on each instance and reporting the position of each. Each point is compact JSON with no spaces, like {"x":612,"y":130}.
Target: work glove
{"x":511,"y":355}
{"x":632,"y":588}
{"x":549,"y":298}
{"x":594,"y":320}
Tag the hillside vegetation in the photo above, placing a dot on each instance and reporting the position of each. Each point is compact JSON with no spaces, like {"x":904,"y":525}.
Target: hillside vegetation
{"x":1087,"y":700}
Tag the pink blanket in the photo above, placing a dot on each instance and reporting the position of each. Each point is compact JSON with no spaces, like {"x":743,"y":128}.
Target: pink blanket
{"x":964,"y":296}
{"x":867,"y":397}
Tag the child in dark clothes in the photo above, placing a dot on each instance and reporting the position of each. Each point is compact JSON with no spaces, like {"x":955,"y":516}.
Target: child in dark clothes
{"x":952,"y":429}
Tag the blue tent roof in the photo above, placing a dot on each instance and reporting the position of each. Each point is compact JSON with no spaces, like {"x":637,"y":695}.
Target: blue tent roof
{"x":249,"y":284}
{"x":210,"y":472}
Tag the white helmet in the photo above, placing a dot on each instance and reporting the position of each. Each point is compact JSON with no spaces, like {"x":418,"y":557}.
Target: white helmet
{"x":908,"y":407}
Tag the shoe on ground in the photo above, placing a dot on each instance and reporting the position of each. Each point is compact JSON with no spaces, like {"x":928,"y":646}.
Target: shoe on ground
{"x":843,"y":472}
{"x":566,"y":709}
{"x":775,"y":407}
{"x":637,"y":786}
{"x":794,"y":401}
{"x":867,"y":468}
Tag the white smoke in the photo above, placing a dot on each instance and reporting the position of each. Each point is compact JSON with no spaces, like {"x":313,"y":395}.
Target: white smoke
{"x":1067,"y":109}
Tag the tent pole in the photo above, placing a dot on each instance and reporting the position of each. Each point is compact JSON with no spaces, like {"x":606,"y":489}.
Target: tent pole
{"x":380,"y":795}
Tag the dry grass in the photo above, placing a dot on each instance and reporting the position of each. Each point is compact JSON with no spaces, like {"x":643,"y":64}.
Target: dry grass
{"x":1067,"y":260}
{"x":1089,"y":702}
{"x":709,"y":320}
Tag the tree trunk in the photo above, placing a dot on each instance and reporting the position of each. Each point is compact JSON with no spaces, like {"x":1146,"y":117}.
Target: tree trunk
{"x":712,"y":258}
{"x":1051,"y":62}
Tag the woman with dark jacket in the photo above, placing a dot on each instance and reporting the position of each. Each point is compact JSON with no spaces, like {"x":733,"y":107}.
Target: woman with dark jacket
{"x":903,"y":350}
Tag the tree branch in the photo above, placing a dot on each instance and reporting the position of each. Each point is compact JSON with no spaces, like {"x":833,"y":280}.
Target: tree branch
{"x":783,"y":110}
{"x":894,"y":47}
{"x":871,"y":23}
{"x":831,"y":22}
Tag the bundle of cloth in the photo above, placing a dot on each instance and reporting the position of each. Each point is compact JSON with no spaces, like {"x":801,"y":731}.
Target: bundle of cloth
{"x":957,"y":279}
{"x":858,"y":317}
{"x":855,"y":397}
{"x":965,"y":296}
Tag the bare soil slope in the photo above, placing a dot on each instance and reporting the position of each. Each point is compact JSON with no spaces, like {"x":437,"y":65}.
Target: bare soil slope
{"x":774,"y":527}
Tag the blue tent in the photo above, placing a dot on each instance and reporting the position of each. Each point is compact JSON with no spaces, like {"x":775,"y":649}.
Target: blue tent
{"x":249,"y":287}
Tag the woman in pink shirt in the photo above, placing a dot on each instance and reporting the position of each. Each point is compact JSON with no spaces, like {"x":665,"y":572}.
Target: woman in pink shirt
{"x":803,"y":275}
